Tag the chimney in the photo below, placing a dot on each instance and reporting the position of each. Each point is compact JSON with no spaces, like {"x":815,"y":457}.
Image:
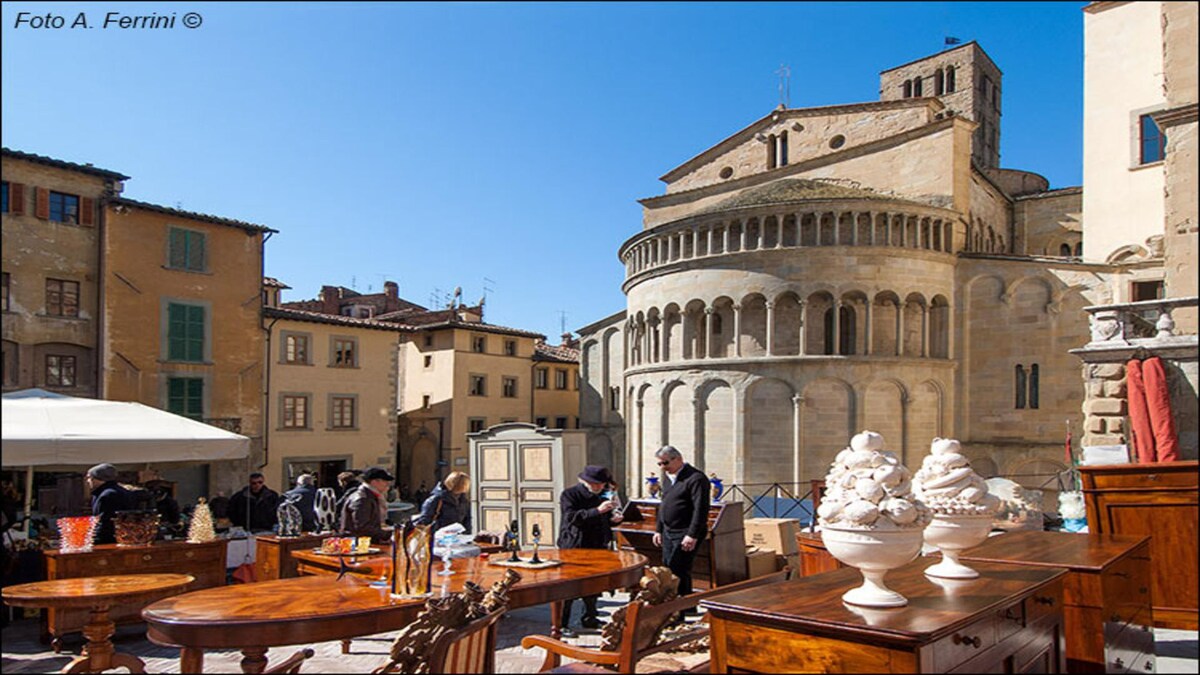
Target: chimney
{"x":391,"y":292}
{"x":330,"y":300}
{"x":568,"y":341}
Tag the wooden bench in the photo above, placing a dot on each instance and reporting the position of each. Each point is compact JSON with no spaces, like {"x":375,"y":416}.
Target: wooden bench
{"x":643,"y":624}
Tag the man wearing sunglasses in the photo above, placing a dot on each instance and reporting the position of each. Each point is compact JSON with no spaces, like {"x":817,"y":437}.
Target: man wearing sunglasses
{"x":682,"y":515}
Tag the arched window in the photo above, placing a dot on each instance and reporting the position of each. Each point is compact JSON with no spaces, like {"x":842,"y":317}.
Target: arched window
{"x":1033,"y":386}
{"x":949,"y":79}
{"x":1064,"y":250}
{"x":916,"y":86}
{"x":716,"y":323}
{"x":846,"y":330}
{"x":1019,"y":385}
{"x":1079,"y":249}
{"x":771,"y":151}
{"x":908,"y":89}
{"x":939,"y":82}
{"x":783,"y":149}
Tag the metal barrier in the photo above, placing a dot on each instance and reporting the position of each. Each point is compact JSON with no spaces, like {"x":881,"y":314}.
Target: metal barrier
{"x":773,"y":500}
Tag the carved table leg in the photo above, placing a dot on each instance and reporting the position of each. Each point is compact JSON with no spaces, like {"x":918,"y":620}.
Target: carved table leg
{"x":254,"y":659}
{"x":191,"y":660}
{"x":556,"y":619}
{"x":98,"y":653}
{"x":56,"y":644}
{"x":345,"y":646}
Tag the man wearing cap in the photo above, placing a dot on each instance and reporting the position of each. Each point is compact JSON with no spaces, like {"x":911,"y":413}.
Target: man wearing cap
{"x":366,"y":509}
{"x":682,"y":514}
{"x":108,"y":497}
{"x":587,"y":520}
{"x":253,"y":507}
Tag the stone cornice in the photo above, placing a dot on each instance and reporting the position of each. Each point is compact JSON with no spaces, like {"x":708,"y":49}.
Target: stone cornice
{"x":1183,"y":114}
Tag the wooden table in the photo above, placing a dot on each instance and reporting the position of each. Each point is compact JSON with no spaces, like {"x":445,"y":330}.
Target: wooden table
{"x":98,"y":595}
{"x":1007,"y":620}
{"x":319,"y":608}
{"x":1107,"y":614}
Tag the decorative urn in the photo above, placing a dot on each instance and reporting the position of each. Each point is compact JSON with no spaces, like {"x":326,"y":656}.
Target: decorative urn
{"x":962,"y":509}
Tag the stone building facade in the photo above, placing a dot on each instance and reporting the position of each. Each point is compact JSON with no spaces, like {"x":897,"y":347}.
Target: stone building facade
{"x":876,"y":269}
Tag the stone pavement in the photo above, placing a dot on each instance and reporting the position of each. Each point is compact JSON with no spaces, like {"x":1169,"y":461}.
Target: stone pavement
{"x":22,"y":653}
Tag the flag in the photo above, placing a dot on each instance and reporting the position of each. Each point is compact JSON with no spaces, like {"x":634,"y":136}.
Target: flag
{"x":952,"y":40}
{"x":1070,"y":458}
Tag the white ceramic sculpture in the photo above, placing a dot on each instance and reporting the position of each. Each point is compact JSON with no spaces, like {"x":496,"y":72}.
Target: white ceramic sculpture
{"x":963,"y":510}
{"x":870,"y":519}
{"x":325,"y":509}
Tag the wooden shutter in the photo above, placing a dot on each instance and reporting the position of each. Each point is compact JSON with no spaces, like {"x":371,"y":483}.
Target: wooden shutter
{"x":195,"y":398}
{"x":195,"y":251}
{"x":177,"y":248}
{"x":41,"y":203}
{"x":176,"y":393}
{"x":195,"y":333}
{"x":176,"y":332}
{"x":87,"y":211}
{"x":16,"y":199}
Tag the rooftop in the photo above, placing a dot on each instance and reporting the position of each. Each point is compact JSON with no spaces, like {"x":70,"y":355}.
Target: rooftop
{"x":63,"y":164}
{"x":251,"y":228}
{"x":334,"y":319}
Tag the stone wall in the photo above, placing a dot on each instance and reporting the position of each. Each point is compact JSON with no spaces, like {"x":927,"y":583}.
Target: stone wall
{"x":1047,"y":222}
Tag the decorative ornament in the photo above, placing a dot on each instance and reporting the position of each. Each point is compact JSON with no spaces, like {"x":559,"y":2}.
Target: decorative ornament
{"x":200,"y":530}
{"x":325,"y":508}
{"x":652,"y":486}
{"x":963,"y":510}
{"x":512,"y":542}
{"x":657,"y":585}
{"x":537,"y":542}
{"x":288,"y":515}
{"x":411,"y":574}
{"x":77,"y":534}
{"x":136,"y":528}
{"x":718,"y":486}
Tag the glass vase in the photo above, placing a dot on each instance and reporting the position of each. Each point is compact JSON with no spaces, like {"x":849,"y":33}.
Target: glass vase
{"x":77,"y":534}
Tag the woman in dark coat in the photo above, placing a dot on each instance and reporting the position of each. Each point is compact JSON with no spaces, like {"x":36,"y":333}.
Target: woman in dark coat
{"x":587,"y":520}
{"x":448,"y":503}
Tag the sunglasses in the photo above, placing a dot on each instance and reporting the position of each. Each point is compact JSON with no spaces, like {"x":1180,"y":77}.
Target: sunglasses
{"x":666,"y":463}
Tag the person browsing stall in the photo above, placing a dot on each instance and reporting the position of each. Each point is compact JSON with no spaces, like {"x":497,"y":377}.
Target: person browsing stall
{"x":588,"y":515}
{"x":448,"y":503}
{"x":682,"y":514}
{"x":108,"y":497}
{"x":365,"y":511}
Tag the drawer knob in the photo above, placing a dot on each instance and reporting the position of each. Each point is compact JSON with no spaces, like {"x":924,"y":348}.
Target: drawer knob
{"x":103,"y":562}
{"x":1151,"y":476}
{"x":1123,"y":575}
{"x":1148,"y":666}
{"x":147,"y":557}
{"x":965,"y":640}
{"x":191,"y":554}
{"x":1143,"y":590}
{"x":1042,"y":600}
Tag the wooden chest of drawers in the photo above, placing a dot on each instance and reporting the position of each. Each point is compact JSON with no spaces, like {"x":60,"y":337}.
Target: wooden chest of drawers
{"x":1160,"y":501}
{"x":273,"y":555}
{"x":1007,"y":621}
{"x":720,"y":558}
{"x":1108,"y":616}
{"x":205,"y":562}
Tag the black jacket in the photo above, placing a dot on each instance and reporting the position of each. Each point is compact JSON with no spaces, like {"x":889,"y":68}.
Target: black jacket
{"x":364,"y":515}
{"x":583,"y":526}
{"x":107,"y":499}
{"x":306,"y":504}
{"x":684,"y":506}
{"x":455,"y":508}
{"x":255,"y":513}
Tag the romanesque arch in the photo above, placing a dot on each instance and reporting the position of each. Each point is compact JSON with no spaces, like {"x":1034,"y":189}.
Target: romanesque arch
{"x":716,"y":449}
{"x":770,"y":452}
{"x":826,"y":424}
{"x":883,"y":412}
{"x":679,"y":421}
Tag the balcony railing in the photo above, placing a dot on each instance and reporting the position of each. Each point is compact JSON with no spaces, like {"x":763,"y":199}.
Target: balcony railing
{"x":1132,"y":322}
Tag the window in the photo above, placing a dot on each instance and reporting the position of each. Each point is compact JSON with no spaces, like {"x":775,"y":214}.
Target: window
{"x":185,"y":396}
{"x":64,"y":208}
{"x":1147,"y":290}
{"x":4,"y":303}
{"x":907,"y":89}
{"x":510,"y":347}
{"x":186,"y":249}
{"x":478,"y":385}
{"x":60,"y":370}
{"x":62,"y":297}
{"x":3,"y":196}
{"x":345,"y":353}
{"x":939,"y":82}
{"x":1033,"y":386}
{"x":577,"y":380}
{"x":341,"y":412}
{"x":428,"y":340}
{"x":1079,"y":249}
{"x":185,"y":332}
{"x":917,"y":87}
{"x":479,"y":344}
{"x":428,"y":361}
{"x":509,"y":387}
{"x":541,"y":378}
{"x":1021,"y":383}
{"x":949,"y":79}
{"x":426,"y":402}
{"x":1064,"y":250}
{"x":541,"y":422}
{"x":295,"y":349}
{"x":1153,"y":141}
{"x":783,"y":149}
{"x":560,"y":423}
{"x":996,"y":98}
{"x":614,"y":398}
{"x":772,"y":157}
{"x":560,"y":378}
{"x":476,"y":424}
{"x":295,"y":412}
{"x":716,"y":323}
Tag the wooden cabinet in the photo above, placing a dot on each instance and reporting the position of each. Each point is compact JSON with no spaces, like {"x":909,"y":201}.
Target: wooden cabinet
{"x":814,"y":557}
{"x":273,"y":555}
{"x":720,"y":558}
{"x":1107,"y":612}
{"x":1158,"y":500}
{"x":1008,"y":620}
{"x":205,"y":562}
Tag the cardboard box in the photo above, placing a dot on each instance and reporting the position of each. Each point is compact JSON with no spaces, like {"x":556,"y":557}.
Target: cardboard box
{"x":791,"y":560}
{"x":773,"y":533}
{"x":759,"y":562}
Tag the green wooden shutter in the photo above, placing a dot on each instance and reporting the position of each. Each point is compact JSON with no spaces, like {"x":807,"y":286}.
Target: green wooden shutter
{"x":176,"y":393}
{"x":195,"y":398}
{"x":195,"y":333}
{"x":195,"y":251}
{"x":177,"y":248}
{"x":176,"y":332}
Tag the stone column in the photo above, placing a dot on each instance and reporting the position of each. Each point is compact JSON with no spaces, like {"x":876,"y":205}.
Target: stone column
{"x":779,"y":231}
{"x":837,"y":327}
{"x":696,"y":241}
{"x":672,"y":248}
{"x":708,"y":331}
{"x":770,"y":328}
{"x":869,"y":329}
{"x":737,"y":326}
{"x":708,"y":248}
{"x":924,"y":330}
{"x":803,"y":329}
{"x":837,"y":227}
{"x":899,"y":327}
{"x":854,"y":228}
{"x":797,"y":459}
{"x":725,"y":237}
{"x":742,"y":236}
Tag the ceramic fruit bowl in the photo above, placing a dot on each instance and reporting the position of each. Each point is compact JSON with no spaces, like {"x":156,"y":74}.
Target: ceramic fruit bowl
{"x":873,"y":552}
{"x":952,"y":534}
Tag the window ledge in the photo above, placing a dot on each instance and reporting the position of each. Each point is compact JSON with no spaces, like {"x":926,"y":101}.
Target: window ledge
{"x":187,"y":363}
{"x":1147,"y":165}
{"x":184,"y":269}
{"x":57,"y":316}
{"x":293,"y":363}
{"x":343,"y":367}
{"x":293,"y":428}
{"x":342,"y":429}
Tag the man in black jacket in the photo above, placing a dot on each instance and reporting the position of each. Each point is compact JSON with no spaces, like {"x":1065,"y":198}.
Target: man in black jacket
{"x":108,"y":497}
{"x":253,"y":507}
{"x":587,"y":520}
{"x":682,"y":515}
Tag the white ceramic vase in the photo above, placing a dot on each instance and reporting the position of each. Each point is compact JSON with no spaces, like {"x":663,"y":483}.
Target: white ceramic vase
{"x":873,"y":552}
{"x":952,"y":534}
{"x":324,"y":508}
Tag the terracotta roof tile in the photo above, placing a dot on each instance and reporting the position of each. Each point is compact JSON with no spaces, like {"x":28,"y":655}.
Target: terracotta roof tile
{"x":335,"y":319}
{"x":63,"y":164}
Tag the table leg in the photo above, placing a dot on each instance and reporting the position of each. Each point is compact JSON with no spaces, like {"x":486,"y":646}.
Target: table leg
{"x":191,"y":660}
{"x":345,"y":646}
{"x":556,"y":619}
{"x":97,"y":655}
{"x":254,"y":659}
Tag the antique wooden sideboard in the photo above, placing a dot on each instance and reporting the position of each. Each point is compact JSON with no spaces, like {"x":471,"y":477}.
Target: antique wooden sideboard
{"x":1106,"y":597}
{"x":814,"y":557}
{"x":205,"y":562}
{"x":720,"y":558}
{"x":273,"y":554}
{"x":1159,"y":500}
{"x":1008,"y":620}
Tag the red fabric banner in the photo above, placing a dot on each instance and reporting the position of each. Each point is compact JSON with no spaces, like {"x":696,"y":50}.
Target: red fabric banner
{"x":1139,"y":415}
{"x":1158,"y":404}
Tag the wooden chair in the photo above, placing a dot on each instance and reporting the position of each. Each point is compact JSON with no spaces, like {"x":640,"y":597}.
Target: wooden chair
{"x":291,"y":665}
{"x":470,"y":649}
{"x":643,"y":624}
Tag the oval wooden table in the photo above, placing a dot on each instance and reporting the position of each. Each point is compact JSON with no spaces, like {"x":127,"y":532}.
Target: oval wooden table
{"x":310,"y":609}
{"x":97,"y":594}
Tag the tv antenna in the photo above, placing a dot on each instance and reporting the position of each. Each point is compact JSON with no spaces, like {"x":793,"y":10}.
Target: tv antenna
{"x":785,"y":85}
{"x":562,"y":321}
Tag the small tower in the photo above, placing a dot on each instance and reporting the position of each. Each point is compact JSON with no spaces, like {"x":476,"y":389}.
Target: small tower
{"x":966,"y":80}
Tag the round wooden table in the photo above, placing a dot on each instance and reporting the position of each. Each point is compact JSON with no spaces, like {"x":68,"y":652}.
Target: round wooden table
{"x":97,"y":594}
{"x":303,"y":610}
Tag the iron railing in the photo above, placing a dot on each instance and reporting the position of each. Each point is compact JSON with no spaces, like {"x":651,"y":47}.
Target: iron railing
{"x":773,"y":500}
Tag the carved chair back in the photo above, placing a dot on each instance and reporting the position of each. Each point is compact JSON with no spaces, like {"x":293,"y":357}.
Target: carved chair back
{"x":470,"y":649}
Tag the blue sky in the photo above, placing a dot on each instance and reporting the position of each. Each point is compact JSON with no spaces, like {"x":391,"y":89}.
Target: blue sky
{"x":439,"y":144}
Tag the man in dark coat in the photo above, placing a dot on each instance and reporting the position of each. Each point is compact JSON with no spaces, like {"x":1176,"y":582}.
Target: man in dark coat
{"x":587,"y":520}
{"x":305,"y":495}
{"x":365,"y":511}
{"x":253,"y":507}
{"x":108,"y":497}
{"x":682,"y":515}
